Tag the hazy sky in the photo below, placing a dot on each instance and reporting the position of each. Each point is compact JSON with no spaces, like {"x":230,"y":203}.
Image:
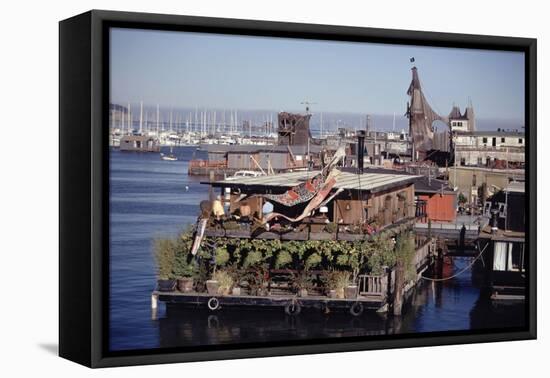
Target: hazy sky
{"x":183,"y":69}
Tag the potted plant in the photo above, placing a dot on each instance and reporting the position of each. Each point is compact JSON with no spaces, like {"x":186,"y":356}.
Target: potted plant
{"x":351,"y":291}
{"x":236,"y":274}
{"x":339,"y":280}
{"x":186,"y":277}
{"x":223,"y":280}
{"x":302,"y":282}
{"x":165,"y":256}
{"x":220,"y":258}
{"x":212,"y":285}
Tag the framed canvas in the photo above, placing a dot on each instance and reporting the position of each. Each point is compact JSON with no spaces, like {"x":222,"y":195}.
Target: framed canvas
{"x":235,"y":188}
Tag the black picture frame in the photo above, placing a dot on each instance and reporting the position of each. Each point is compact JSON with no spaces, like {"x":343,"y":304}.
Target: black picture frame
{"x":84,"y":186}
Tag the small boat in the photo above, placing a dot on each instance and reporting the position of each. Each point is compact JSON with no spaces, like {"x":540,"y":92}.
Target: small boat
{"x":244,"y":174}
{"x":169,"y":157}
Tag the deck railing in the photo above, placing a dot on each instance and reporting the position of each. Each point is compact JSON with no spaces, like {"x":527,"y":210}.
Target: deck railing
{"x":370,"y":285}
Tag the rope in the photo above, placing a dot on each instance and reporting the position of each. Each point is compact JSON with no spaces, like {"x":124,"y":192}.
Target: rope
{"x":459,"y":272}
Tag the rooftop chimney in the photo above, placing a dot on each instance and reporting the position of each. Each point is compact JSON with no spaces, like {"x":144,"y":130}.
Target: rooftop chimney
{"x":360,"y":150}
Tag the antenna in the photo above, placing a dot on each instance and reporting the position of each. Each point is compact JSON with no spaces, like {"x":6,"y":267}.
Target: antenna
{"x":307,"y":103}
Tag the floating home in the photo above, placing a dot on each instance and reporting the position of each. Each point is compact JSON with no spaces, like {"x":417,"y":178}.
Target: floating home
{"x":139,"y":143}
{"x":503,"y":246}
{"x":351,"y":207}
{"x":228,"y":159}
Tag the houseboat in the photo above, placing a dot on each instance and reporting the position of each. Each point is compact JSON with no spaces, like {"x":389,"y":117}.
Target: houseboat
{"x":503,"y":244}
{"x":332,"y":239}
{"x":139,"y":143}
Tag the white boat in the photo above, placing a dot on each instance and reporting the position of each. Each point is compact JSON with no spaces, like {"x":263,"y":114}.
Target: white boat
{"x":244,"y":174}
{"x":169,"y":157}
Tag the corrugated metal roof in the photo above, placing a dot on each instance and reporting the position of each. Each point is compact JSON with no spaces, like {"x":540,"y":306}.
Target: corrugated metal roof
{"x":346,"y":180}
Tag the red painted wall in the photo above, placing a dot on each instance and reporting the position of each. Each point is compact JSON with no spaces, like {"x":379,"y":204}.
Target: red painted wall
{"x":440,"y":207}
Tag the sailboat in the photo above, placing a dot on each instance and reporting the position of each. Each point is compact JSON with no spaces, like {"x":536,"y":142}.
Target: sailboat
{"x":169,"y":157}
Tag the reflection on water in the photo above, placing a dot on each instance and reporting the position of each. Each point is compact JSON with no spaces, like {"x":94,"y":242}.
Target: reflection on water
{"x":149,"y":198}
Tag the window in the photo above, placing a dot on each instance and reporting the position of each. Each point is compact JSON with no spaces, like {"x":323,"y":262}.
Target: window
{"x":502,"y":140}
{"x":479,"y":160}
{"x":499,"y":258}
{"x":485,"y":140}
{"x":520,"y":141}
{"x":462,"y":161}
{"x":509,"y":257}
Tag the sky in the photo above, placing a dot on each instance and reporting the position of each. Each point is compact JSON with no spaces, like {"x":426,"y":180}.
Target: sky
{"x":181,"y":69}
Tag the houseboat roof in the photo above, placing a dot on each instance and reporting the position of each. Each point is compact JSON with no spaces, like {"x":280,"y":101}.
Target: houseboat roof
{"x":501,"y":235}
{"x":426,"y":185}
{"x":370,"y":182}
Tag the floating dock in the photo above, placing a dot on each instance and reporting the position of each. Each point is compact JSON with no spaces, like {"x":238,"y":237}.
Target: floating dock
{"x":291,"y":304}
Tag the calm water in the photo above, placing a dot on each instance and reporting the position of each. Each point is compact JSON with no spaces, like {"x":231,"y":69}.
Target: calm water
{"x":149,"y":198}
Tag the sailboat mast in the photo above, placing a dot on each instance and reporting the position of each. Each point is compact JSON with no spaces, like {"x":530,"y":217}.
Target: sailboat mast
{"x":129,"y":118}
{"x":170,"y":121}
{"x":158,"y":117}
{"x":140,"y":117}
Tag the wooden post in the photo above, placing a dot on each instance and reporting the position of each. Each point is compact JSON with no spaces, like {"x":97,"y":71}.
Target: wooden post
{"x":399,"y":281}
{"x":210,"y":190}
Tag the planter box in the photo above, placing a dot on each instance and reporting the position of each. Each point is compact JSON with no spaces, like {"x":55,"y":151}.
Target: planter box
{"x":302,"y":235}
{"x":242,"y":234}
{"x":350,"y":237}
{"x":214,"y":232}
{"x":267,"y":235}
{"x":322,"y":236}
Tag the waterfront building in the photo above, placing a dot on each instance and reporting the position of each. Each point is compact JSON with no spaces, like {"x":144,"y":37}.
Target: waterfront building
{"x":439,"y":199}
{"x":139,"y":143}
{"x":492,"y":149}
{"x":478,"y":183}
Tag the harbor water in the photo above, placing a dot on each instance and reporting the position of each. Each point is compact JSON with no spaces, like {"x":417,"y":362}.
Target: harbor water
{"x":152,"y":198}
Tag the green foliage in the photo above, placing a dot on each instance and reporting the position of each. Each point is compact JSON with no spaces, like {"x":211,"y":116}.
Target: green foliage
{"x":221,"y":256}
{"x":382,"y":254}
{"x":250,"y":259}
{"x":312,"y":261}
{"x":165,"y":255}
{"x":462,"y":198}
{"x":405,"y":250}
{"x":283,"y":259}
